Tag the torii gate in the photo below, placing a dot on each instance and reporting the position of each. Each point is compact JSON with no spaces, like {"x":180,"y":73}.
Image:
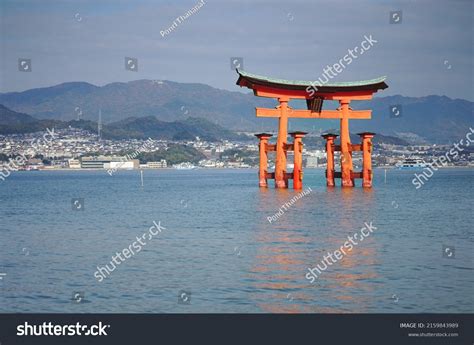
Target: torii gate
{"x":283,"y":91}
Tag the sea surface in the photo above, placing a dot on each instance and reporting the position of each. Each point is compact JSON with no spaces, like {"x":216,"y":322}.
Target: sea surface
{"x":219,"y":249}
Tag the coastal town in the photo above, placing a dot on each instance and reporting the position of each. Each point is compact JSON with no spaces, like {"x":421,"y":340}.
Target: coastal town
{"x":74,"y":148}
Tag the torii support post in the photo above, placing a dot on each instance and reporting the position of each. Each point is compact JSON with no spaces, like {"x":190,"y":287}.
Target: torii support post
{"x":298,"y":159}
{"x":262,"y":172}
{"x":346,"y":147}
{"x":330,"y":158}
{"x":366,"y":158}
{"x":281,"y":181}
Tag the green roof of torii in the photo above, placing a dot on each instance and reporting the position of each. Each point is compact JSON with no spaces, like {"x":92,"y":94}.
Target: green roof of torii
{"x":378,"y":83}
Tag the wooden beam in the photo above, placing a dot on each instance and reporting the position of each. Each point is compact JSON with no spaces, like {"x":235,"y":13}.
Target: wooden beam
{"x":270,"y":147}
{"x":307,"y":114}
{"x":351,"y":96}
{"x":354,"y":174}
{"x":270,"y":175}
{"x":275,"y":92}
{"x":269,"y":92}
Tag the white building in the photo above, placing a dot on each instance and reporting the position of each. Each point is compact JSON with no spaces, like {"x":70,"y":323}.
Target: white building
{"x":74,"y":163}
{"x":157,"y":165}
{"x":312,"y":162}
{"x":119,"y":165}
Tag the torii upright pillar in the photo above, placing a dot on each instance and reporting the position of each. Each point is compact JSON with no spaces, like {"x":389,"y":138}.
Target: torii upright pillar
{"x":330,"y":158}
{"x":366,"y":158}
{"x":298,"y":159}
{"x":346,"y":146}
{"x":262,"y":172}
{"x":281,"y":180}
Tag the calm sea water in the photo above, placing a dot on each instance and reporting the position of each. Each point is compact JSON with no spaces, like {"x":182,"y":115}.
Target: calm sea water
{"x":219,"y":247}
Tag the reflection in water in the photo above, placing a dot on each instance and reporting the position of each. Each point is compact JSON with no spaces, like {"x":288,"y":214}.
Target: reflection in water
{"x":286,"y":247}
{"x":276,"y":272}
{"x":345,"y":279}
{"x":346,"y":286}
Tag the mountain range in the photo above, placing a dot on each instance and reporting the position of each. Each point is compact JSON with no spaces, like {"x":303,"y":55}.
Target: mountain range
{"x":431,"y":119}
{"x":12,"y":122}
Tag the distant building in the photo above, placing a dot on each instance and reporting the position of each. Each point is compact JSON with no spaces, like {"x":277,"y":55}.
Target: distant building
{"x":237,"y":165}
{"x":121,"y":165}
{"x":157,"y":165}
{"x":93,"y":162}
{"x":34,"y":161}
{"x":74,"y":163}
{"x":33,"y":164}
{"x":211,"y":163}
{"x":109,"y":162}
{"x":311,"y":162}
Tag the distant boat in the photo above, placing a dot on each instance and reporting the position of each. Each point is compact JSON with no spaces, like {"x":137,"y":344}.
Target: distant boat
{"x":411,"y":164}
{"x":184,"y":166}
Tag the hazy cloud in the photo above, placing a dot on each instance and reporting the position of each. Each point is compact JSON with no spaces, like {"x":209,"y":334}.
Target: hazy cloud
{"x":430,"y":52}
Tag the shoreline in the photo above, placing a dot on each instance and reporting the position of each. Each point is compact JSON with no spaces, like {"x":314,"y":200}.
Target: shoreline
{"x":216,"y":168}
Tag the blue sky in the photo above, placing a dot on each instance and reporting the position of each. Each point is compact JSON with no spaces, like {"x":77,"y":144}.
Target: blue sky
{"x":429,"y":52}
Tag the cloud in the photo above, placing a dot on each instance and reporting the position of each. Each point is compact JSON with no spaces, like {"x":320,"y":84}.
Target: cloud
{"x":292,"y":40}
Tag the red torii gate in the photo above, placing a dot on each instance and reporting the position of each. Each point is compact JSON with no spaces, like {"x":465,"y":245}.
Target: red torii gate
{"x":283,"y":91}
